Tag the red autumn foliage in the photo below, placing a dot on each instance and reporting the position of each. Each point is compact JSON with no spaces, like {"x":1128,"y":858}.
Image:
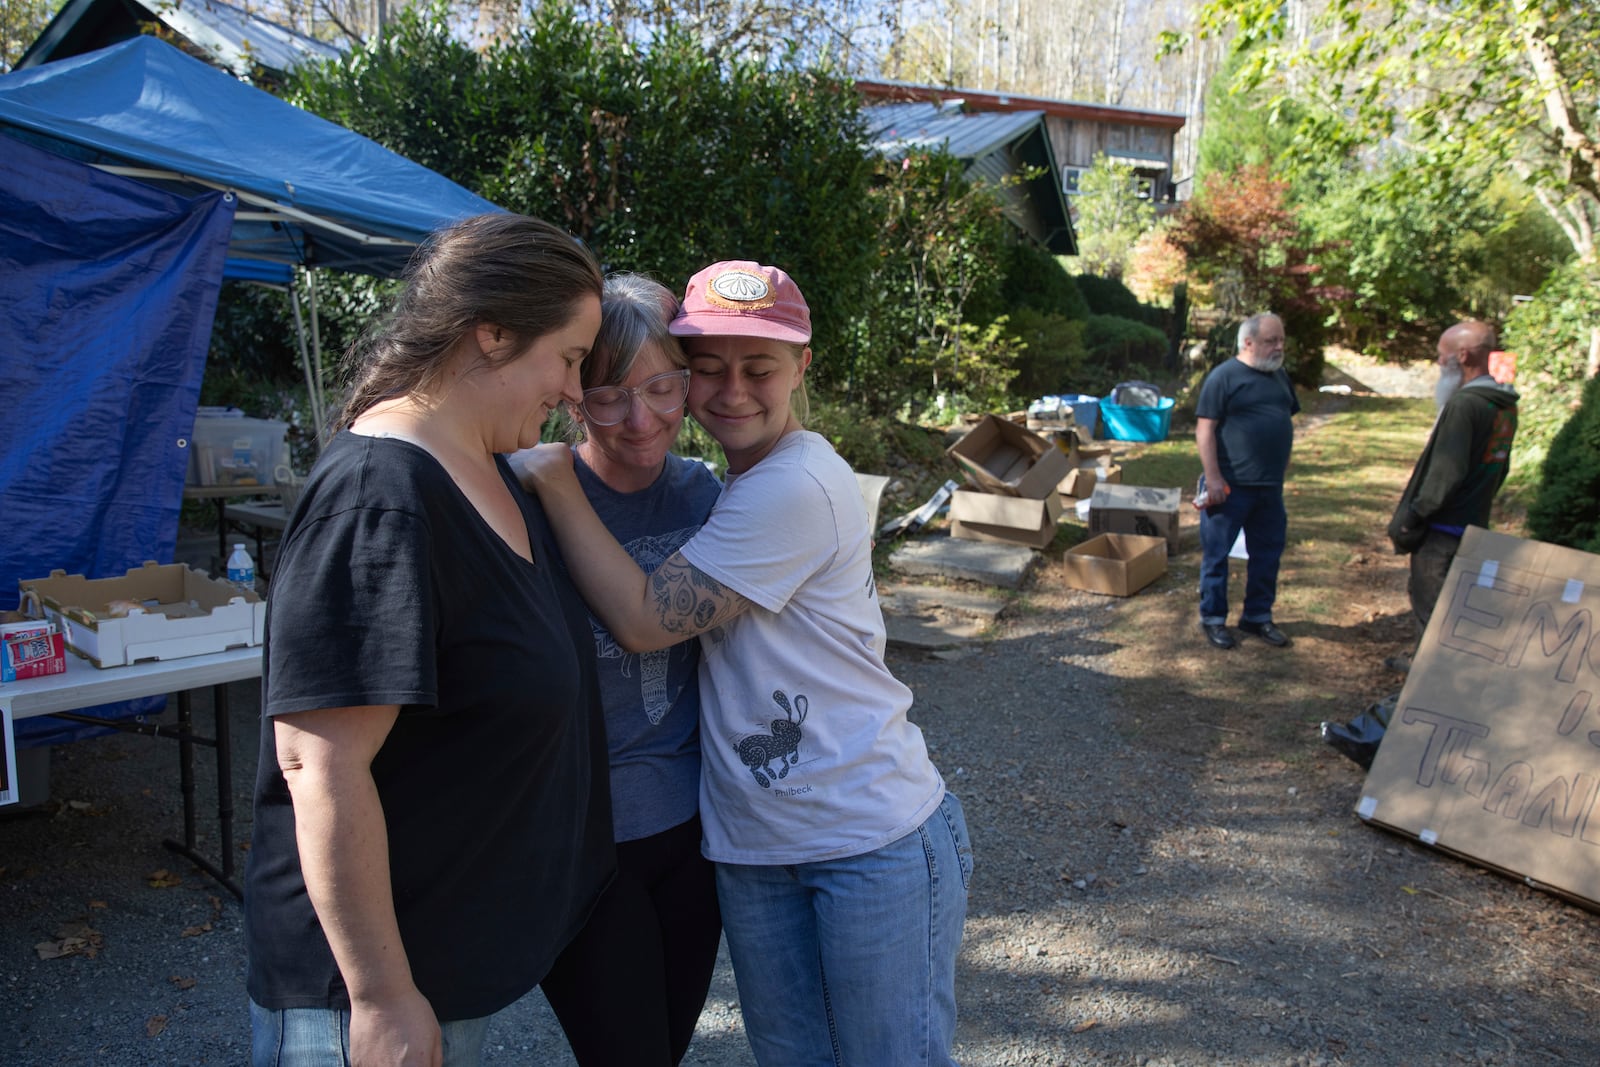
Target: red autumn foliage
{"x":1241,"y":235}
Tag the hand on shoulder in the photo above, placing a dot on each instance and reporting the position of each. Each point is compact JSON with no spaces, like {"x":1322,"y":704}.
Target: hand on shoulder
{"x":542,"y":466}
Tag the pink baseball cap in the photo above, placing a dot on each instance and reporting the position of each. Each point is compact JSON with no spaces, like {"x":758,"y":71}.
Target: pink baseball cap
{"x":738,"y":298}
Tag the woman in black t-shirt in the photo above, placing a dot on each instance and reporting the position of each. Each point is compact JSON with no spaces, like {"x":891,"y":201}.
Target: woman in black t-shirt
{"x":432,"y":817}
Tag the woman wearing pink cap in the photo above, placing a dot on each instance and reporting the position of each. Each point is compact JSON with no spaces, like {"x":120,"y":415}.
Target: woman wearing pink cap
{"x":842,"y":862}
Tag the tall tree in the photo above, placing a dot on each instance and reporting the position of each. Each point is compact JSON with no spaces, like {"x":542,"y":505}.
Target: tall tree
{"x":1471,"y":83}
{"x":20,"y":23}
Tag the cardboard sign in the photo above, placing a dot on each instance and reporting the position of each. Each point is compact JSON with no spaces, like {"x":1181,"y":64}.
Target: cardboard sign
{"x":1493,"y":752}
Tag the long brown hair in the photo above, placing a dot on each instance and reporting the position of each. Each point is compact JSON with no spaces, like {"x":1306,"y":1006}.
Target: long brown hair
{"x":519,"y":273}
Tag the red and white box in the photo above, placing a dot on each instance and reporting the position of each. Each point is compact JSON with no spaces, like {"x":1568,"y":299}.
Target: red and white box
{"x":30,"y":649}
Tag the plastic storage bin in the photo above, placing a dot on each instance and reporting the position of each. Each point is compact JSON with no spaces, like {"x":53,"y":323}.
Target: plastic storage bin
{"x":1085,"y":410}
{"x":1137,"y":424}
{"x":235,"y":450}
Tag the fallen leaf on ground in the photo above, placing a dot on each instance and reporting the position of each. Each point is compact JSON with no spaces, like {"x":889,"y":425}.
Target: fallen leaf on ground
{"x":163,"y":879}
{"x":1088,"y":1024}
{"x":98,"y":904}
{"x":76,"y":938}
{"x":181,"y":982}
{"x":196,"y":931}
{"x":154,"y":1025}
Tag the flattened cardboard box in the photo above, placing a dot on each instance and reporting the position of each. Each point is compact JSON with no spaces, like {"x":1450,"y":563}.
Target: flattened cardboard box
{"x":1002,"y":457}
{"x":1116,"y":564}
{"x":185,"y":613}
{"x":1493,"y":751}
{"x":979,"y":516}
{"x":1136,"y":509}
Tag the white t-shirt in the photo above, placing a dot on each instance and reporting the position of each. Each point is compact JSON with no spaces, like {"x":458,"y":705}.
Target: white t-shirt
{"x":807,"y":752}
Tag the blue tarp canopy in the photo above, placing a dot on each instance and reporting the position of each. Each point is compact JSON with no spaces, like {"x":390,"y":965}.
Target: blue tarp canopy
{"x":310,"y":192}
{"x":107,"y":293}
{"x":109,"y":276}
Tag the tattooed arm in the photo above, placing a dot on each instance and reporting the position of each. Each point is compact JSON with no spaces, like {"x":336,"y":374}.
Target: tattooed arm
{"x":643,"y":613}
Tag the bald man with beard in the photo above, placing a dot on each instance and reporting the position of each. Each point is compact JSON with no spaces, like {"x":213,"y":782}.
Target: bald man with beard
{"x":1462,"y":466}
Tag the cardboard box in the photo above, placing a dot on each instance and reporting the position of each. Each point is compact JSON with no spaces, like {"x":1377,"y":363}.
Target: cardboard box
{"x":182,"y":612}
{"x":1118,"y":564}
{"x":979,"y":516}
{"x":1002,"y":457}
{"x":30,"y":649}
{"x":1491,"y":751}
{"x":1092,"y":453}
{"x":1082,"y":480}
{"x":1136,"y":509}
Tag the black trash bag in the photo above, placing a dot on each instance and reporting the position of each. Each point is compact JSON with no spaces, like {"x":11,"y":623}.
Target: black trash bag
{"x":1358,"y":739}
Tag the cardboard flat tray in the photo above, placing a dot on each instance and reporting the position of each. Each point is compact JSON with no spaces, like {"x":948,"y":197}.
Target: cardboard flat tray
{"x":184,"y":612}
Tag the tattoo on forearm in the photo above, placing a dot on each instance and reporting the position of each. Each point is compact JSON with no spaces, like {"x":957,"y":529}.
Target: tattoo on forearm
{"x":688,"y":601}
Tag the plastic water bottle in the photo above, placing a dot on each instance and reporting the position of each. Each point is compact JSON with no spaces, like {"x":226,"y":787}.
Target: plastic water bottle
{"x":241,"y":568}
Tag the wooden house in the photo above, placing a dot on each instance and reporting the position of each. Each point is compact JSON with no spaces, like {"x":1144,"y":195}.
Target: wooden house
{"x":1077,"y":132}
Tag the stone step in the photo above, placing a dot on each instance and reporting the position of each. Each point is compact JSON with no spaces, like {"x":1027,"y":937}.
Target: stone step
{"x":991,"y":563}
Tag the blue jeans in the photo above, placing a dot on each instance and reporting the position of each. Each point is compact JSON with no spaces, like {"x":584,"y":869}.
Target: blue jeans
{"x":1258,"y":511}
{"x":853,"y":961}
{"x":320,"y":1037}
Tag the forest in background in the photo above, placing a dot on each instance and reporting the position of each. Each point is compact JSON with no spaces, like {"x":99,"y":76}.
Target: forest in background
{"x":1371,"y":171}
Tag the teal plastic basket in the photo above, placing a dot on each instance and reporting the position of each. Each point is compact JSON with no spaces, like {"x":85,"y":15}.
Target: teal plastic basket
{"x":1137,"y":424}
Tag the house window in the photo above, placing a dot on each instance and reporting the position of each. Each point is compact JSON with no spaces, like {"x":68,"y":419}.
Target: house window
{"x":1070,"y":176}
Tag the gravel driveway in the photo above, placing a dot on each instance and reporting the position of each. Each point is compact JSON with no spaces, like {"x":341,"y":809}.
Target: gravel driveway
{"x":1129,"y":907}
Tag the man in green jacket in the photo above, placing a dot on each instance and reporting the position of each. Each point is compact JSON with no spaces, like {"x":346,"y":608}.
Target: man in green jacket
{"x":1462,"y":465}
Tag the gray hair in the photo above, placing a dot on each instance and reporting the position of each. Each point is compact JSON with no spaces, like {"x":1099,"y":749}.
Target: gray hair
{"x":1251,"y":327}
{"x":634,"y":313}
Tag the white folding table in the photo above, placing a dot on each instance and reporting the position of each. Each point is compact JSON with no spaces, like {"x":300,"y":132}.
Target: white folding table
{"x":83,"y":686}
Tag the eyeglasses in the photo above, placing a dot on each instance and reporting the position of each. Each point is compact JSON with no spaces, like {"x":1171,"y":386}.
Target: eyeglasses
{"x":662,"y":394}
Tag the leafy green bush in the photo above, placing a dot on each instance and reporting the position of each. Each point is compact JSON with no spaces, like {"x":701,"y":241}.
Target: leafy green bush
{"x":1036,"y":279}
{"x":1054,"y":357}
{"x":1400,"y":256}
{"x":1550,"y":336}
{"x":975,"y":361}
{"x":1566,"y":510}
{"x":1118,"y":341}
{"x":935,"y":290}
{"x":1108,"y":296}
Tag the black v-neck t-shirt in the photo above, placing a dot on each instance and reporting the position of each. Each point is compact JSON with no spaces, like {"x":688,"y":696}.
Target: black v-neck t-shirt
{"x":390,"y":588}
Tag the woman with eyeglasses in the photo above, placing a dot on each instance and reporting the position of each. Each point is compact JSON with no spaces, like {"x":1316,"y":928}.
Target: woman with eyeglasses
{"x":630,"y":988}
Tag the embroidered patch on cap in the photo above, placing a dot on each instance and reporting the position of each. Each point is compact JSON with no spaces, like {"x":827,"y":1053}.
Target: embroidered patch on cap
{"x":739,"y":290}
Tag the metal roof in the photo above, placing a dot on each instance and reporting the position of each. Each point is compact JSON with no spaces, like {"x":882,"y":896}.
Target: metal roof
{"x":994,"y":100}
{"x":896,"y":130}
{"x":995,"y":146}
{"x":232,"y":37}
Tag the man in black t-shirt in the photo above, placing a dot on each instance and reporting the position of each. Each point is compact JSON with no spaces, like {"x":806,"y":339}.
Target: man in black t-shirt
{"x":1244,"y":433}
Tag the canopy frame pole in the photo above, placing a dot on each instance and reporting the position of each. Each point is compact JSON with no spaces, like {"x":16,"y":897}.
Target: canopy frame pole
{"x":272,"y":211}
{"x":321,"y":407}
{"x":313,"y":397}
